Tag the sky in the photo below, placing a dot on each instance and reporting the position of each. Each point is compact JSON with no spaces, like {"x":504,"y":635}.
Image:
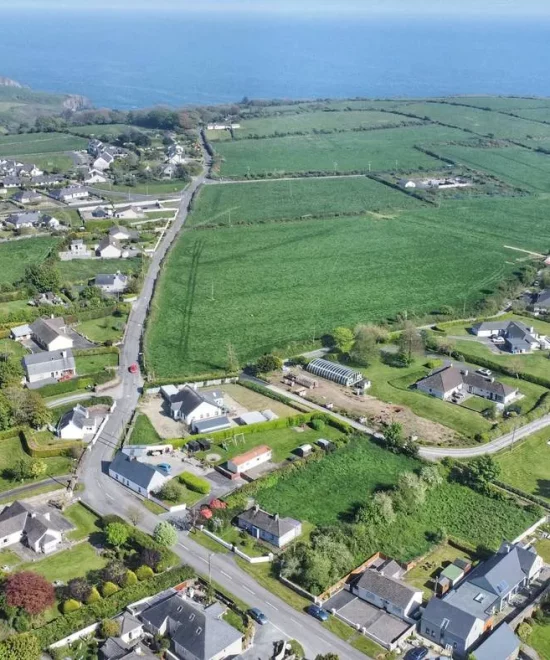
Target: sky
{"x":464,"y":8}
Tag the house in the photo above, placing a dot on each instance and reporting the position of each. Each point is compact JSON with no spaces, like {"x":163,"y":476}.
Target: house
{"x":21,"y":333}
{"x":78,"y":248}
{"x":175,"y":155}
{"x":102,"y":212}
{"x":190,"y":405}
{"x":120,"y":233}
{"x":94,"y":147}
{"x":49,"y":221}
{"x":518,"y":338}
{"x":444,"y":383}
{"x":128,"y":212}
{"x":51,"y":334}
{"x":542,"y":302}
{"x":27,"y":197}
{"x":459,"y":620}
{"x":169,"y":171}
{"x":271,"y":528}
{"x":23,"y":220}
{"x":142,"y":478}
{"x":115,"y":283}
{"x":49,"y":365}
{"x":78,"y":423}
{"x":109,"y":248}
{"x":102,"y":161}
{"x":40,"y":530}
{"x":382,"y":588}
{"x":12,"y":181}
{"x":335,"y":372}
{"x":47,"y":180}
{"x":502,"y":644}
{"x":249,"y":460}
{"x":29,"y":170}
{"x":94,"y":176}
{"x":195,"y":632}
{"x":69,"y":194}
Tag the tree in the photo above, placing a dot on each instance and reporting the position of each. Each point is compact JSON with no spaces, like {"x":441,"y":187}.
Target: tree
{"x":491,"y":412}
{"x":410,"y":492}
{"x":393,"y":437}
{"x":135,"y":516}
{"x":30,"y":591}
{"x":79,"y":589}
{"x":327,"y":656}
{"x":27,"y":407}
{"x":165,"y":534}
{"x":343,"y":339}
{"x":410,"y":340}
{"x":11,"y":371}
{"x":21,"y":647}
{"x":481,"y":471}
{"x":115,"y":571}
{"x":117,"y":534}
{"x":364,"y":345}
{"x":232,"y":361}
{"x":171,"y":491}
{"x":109,"y":628}
{"x":384,"y":505}
{"x":43,"y":277}
{"x":151,"y":557}
{"x":37,"y":468}
{"x":267,"y":363}
{"x":431,"y":475}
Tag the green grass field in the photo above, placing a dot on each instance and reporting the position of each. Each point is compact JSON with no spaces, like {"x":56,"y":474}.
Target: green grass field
{"x":262,"y":201}
{"x":75,"y":562}
{"x":540,"y":639}
{"x":106,"y":328}
{"x":526,"y":465}
{"x":151,"y":188}
{"x":521,"y":167}
{"x":11,"y":347}
{"x":82,"y":270}
{"x":83,"y":519}
{"x":105,"y":129}
{"x":11,"y":306}
{"x":39,"y":143}
{"x":92,"y":364}
{"x":386,"y":150}
{"x":15,"y":256}
{"x":144,"y":432}
{"x":309,"y":122}
{"x":60,"y":162}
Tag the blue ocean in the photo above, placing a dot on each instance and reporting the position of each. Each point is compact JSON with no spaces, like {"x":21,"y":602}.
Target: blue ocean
{"x":130,"y":60}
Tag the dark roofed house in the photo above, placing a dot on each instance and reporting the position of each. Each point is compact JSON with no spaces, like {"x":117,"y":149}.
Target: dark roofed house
{"x":109,"y":248}
{"x":195,"y":632}
{"x":39,"y":529}
{"x":387,"y":593}
{"x":27,"y":197}
{"x":49,"y":366}
{"x":190,"y":406}
{"x":542,"y":301}
{"x":502,"y":644}
{"x":51,"y":334}
{"x":22,"y":220}
{"x":449,"y":380}
{"x":140,"y":477}
{"x":450,"y":626}
{"x":271,"y":528}
{"x":111,"y":283}
{"x":518,"y":337}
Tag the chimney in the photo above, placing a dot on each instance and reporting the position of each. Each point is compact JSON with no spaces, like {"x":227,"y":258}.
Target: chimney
{"x":46,"y":515}
{"x":465,"y":372}
{"x":492,"y":379}
{"x":276,"y":517}
{"x":256,"y":508}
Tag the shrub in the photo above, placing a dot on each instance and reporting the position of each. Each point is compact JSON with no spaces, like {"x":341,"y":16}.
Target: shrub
{"x":144,"y":573}
{"x":434,"y":364}
{"x":108,"y":589}
{"x":71,"y":605}
{"x":195,"y":483}
{"x":130,"y":579}
{"x":93,"y":597}
{"x":317,"y":424}
{"x":109,"y":628}
{"x":171,"y":491}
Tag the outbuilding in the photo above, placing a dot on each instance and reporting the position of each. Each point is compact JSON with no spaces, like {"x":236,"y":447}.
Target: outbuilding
{"x":335,"y":372}
{"x":250,"y":459}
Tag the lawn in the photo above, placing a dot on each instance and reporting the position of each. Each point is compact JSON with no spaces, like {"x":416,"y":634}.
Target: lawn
{"x":111,"y":130}
{"x":526,"y":465}
{"x":12,"y":451}
{"x":106,"y":328}
{"x":385,"y":150}
{"x":39,"y":143}
{"x":540,"y":639}
{"x":82,"y":270}
{"x":244,"y":542}
{"x":543,"y":549}
{"x":151,"y":188}
{"x":264,"y":201}
{"x":15,"y":256}
{"x":11,"y":347}
{"x":85,"y":521}
{"x":51,"y":162}
{"x":422,"y":576}
{"x":68,"y":564}
{"x":92,"y":364}
{"x":282,"y":442}
{"x":329,"y":491}
{"x":254,"y":400}
{"x":144,"y":432}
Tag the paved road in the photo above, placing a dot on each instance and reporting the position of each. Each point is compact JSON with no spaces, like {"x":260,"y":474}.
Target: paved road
{"x":106,"y":496}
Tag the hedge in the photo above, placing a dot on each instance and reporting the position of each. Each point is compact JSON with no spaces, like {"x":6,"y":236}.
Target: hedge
{"x":524,"y":494}
{"x":34,"y":449}
{"x":159,"y":382}
{"x":108,"y":589}
{"x":100,"y":350}
{"x":10,"y":433}
{"x":108,"y":607}
{"x":195,"y":483}
{"x":79,"y":383}
{"x":144,"y":573}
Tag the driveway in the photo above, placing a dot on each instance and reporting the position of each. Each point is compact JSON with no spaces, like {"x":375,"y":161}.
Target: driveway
{"x":265,"y":639}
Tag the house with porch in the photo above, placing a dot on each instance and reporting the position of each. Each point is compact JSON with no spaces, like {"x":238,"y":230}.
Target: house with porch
{"x":267,"y":527}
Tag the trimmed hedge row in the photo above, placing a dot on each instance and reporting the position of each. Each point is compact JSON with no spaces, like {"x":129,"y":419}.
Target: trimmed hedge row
{"x":10,"y":433}
{"x":108,"y":607}
{"x":34,"y":449}
{"x":524,"y":494}
{"x":195,"y":483}
{"x":99,"y":350}
{"x":79,"y":383}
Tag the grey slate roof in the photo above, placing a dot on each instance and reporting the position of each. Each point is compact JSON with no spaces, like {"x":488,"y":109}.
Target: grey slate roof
{"x":499,"y":574}
{"x":46,"y":330}
{"x":106,"y":241}
{"x":135,"y":471}
{"x":450,"y":377}
{"x":19,"y":517}
{"x":460,"y":623}
{"x":267,"y":522}
{"x":186,"y":400}
{"x":500,"y":645}
{"x":110,"y":279}
{"x":200,"y":632}
{"x":387,"y":588}
{"x":40,"y":363}
{"x":18,"y":219}
{"x":79,"y":416}
{"x":212,"y":424}
{"x":543,"y":298}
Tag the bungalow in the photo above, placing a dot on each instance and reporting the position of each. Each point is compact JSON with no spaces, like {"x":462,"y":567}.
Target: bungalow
{"x":115,"y":283}
{"x":189,"y":405}
{"x":11,"y":181}
{"x":27,"y":197}
{"x":128,"y":212}
{"x":120,"y":233}
{"x":518,"y":338}
{"x":446,"y":382}
{"x":94,"y":176}
{"x":103,"y":161}
{"x":382,"y":588}
{"x":142,"y":478}
{"x":51,"y":334}
{"x":40,"y":530}
{"x":48,"y":366}
{"x":49,"y":221}
{"x":249,"y":460}
{"x":47,"y":180}
{"x":271,"y":528}
{"x":109,"y":248}
{"x":23,"y":220}
{"x":21,"y":333}
{"x":542,"y":302}
{"x":460,"y":619}
{"x":69,"y":194}
{"x":78,"y":423}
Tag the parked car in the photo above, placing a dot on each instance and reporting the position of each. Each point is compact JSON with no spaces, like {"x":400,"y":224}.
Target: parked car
{"x":484,"y":372}
{"x":416,"y":654}
{"x":257,"y":615}
{"x":165,"y":467}
{"x":317,"y":612}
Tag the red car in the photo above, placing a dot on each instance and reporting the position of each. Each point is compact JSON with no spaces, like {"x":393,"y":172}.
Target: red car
{"x":133,"y":369}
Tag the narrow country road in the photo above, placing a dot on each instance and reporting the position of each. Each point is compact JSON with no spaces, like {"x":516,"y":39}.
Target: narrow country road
{"x":105,"y":496}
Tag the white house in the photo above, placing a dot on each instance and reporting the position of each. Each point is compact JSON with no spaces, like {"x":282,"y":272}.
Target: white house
{"x":271,"y":528}
{"x":95,"y":176}
{"x":49,"y":221}
{"x":249,"y":460}
{"x":119,"y":233}
{"x":70,"y":194}
{"x":51,"y":334}
{"x":103,"y":161}
{"x":142,"y":478}
{"x":128,"y":212}
{"x":78,"y":423}
{"x":21,"y":333}
{"x":190,"y":406}
{"x":109,"y":248}
{"x":19,"y":523}
{"x":49,"y":366}
{"x":23,"y":220}
{"x":115,"y":283}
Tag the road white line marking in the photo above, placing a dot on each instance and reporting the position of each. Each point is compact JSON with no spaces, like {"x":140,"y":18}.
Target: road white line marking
{"x":204,"y":560}
{"x":271,"y":605}
{"x":281,"y":631}
{"x":226,"y":575}
{"x":249,"y":590}
{"x":183,"y":546}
